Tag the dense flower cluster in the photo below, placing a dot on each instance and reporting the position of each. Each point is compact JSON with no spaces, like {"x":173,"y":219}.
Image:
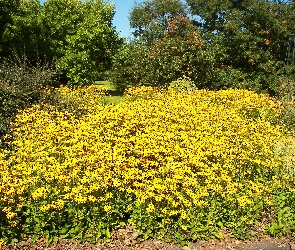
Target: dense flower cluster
{"x":81,"y":101}
{"x":166,"y":161}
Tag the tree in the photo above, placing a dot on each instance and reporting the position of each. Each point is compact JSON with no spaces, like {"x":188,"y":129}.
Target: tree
{"x":150,"y":18}
{"x":84,"y":43}
{"x":60,"y":19}
{"x":77,"y":35}
{"x":179,"y":52}
{"x":249,"y":36}
{"x":25,"y":34}
{"x":7,"y":7}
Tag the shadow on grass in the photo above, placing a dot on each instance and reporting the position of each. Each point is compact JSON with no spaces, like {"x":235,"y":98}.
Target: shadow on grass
{"x":115,"y":96}
{"x":116,"y":92}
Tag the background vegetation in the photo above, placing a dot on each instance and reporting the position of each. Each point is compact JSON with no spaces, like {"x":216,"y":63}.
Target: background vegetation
{"x":218,"y":45}
{"x":221,"y":44}
{"x":201,"y":142}
{"x":78,"y":36}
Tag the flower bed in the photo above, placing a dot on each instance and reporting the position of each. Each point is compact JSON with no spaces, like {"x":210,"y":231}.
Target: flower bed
{"x":174,"y":165}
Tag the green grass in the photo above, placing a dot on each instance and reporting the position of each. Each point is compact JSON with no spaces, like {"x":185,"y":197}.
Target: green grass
{"x":115,"y":95}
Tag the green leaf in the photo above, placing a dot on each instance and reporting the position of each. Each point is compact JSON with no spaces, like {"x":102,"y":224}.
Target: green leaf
{"x":35,"y":237}
{"x":14,"y":240}
{"x":108,"y":234}
{"x":55,"y":239}
{"x":195,"y":236}
{"x":220,"y":224}
{"x":98,"y":235}
{"x":218,"y":235}
{"x":64,"y":236}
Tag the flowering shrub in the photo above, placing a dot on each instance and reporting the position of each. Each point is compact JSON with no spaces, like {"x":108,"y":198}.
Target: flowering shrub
{"x":179,"y":165}
{"x":81,"y":101}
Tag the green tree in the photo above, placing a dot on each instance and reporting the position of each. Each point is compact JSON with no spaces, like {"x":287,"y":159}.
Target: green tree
{"x":77,"y":35}
{"x":249,"y":38}
{"x":150,"y":18}
{"x":86,"y":42}
{"x":7,"y":7}
{"x":60,"y":19}
{"x":24,"y":34}
{"x":179,"y":52}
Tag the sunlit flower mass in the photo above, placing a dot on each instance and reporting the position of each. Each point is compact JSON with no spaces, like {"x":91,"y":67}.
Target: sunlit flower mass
{"x":162,"y":159}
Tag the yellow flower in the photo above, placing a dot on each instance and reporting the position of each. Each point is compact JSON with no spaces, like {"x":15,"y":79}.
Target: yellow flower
{"x":45,"y":208}
{"x":150,"y":208}
{"x":183,"y":215}
{"x":107,"y":208}
{"x":13,"y":224}
{"x":109,"y":196}
{"x":243,"y":218}
{"x":173,"y":212}
{"x":2,"y":242}
{"x":244,"y":201}
{"x":80,"y":199}
{"x":59,"y":204}
{"x":10,"y":215}
{"x":180,"y":149}
{"x":39,"y":193}
{"x":6,"y":209}
{"x":20,"y":205}
{"x":91,"y":198}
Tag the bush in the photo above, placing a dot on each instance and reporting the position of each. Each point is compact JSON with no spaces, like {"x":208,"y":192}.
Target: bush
{"x":285,"y":92}
{"x":182,"y":84}
{"x":79,"y":101}
{"x":176,"y":165}
{"x":20,"y":87}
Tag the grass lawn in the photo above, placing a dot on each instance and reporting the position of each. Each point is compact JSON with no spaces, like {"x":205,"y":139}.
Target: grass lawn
{"x":115,"y":95}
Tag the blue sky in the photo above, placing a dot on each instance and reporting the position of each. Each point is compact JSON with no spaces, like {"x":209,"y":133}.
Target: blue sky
{"x":120,"y":21}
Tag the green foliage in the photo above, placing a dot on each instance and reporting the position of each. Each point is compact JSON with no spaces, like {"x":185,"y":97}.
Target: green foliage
{"x":74,"y":101}
{"x":7,"y":7}
{"x":180,"y":52}
{"x":182,"y":84}
{"x":249,"y":38}
{"x":150,"y":18}
{"x":77,"y":35}
{"x":90,"y":49}
{"x":20,"y":87}
{"x":24,"y":34}
{"x":285,"y":92}
{"x":125,"y":71}
{"x":60,"y":19}
{"x":84,"y":223}
{"x":239,"y":45}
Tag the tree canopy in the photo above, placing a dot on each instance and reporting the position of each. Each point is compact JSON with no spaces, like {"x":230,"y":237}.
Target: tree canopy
{"x":217,"y":43}
{"x":252,"y":35}
{"x":7,"y":7}
{"x":245,"y":41}
{"x":78,"y":35}
{"x":179,"y":52}
{"x":150,"y":18}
